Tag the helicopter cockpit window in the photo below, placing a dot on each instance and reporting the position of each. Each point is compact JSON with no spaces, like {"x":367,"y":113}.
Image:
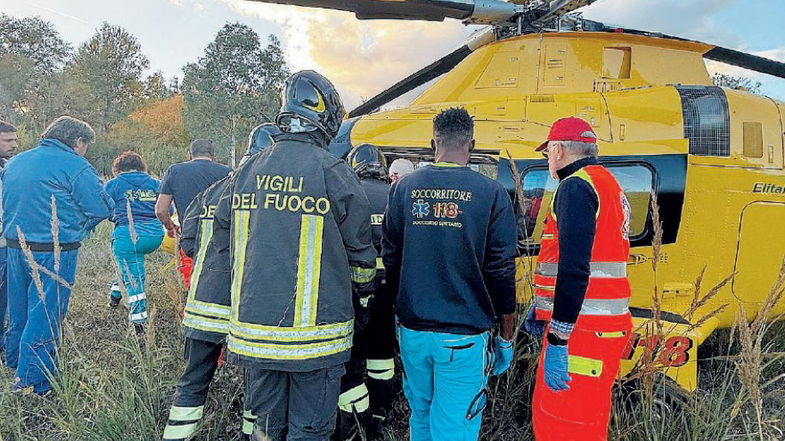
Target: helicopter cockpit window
{"x":538,"y":188}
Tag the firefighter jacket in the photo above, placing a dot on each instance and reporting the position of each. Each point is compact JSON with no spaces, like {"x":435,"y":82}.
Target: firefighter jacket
{"x":207,"y":309}
{"x":300,"y":239}
{"x":376,"y":191}
{"x":582,"y":265}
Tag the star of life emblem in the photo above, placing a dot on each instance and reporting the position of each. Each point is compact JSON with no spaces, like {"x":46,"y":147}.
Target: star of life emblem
{"x":420,"y":209}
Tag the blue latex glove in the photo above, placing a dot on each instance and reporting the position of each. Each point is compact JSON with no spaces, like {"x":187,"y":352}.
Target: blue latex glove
{"x":533,"y":326}
{"x":555,"y":368}
{"x":502,"y":350}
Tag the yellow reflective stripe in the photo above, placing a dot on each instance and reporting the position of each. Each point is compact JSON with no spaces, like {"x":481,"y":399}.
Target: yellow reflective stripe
{"x":446,"y":164}
{"x":616,"y":334}
{"x":179,"y":432}
{"x":211,"y":309}
{"x":206,"y":324}
{"x":241,"y":220}
{"x":289,"y":334}
{"x":248,"y":427}
{"x":584,"y":366}
{"x":585,"y":176}
{"x":379,"y":263}
{"x":381,"y":369}
{"x":309,"y":264}
{"x":355,"y":398}
{"x":362,"y":275}
{"x":205,"y":235}
{"x":379,"y":365}
{"x":177,"y":413}
{"x":248,"y":421}
{"x":288,"y":351}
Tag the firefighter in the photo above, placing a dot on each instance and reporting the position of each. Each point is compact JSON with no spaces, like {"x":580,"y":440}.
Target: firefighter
{"x":368,"y":402}
{"x":301,"y":246}
{"x":259,"y":139}
{"x":207,"y":309}
{"x":449,"y":250}
{"x":581,"y":293}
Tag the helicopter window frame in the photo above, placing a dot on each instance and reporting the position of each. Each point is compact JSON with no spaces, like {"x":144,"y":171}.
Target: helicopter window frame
{"x":529,"y":242}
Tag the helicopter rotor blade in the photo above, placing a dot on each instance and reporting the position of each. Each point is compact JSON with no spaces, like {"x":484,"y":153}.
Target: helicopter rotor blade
{"x":422,"y":76}
{"x":470,"y":11}
{"x":747,"y":61}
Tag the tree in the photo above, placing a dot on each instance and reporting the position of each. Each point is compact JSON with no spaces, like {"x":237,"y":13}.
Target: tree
{"x":32,"y":55}
{"x":103,"y":79}
{"x":736,"y":82}
{"x":233,"y":87}
{"x":155,"y":131}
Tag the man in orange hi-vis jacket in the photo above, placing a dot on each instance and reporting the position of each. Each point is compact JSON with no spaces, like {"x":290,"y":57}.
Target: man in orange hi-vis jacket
{"x":581,"y":294}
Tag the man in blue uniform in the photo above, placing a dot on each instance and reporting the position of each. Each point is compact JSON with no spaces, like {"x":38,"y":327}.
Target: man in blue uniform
{"x":53,"y":176}
{"x":449,"y":250}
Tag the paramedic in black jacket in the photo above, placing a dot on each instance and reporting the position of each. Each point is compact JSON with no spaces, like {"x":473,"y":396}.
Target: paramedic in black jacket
{"x":449,"y":247}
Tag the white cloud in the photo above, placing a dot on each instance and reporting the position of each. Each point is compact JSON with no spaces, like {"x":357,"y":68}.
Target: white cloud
{"x":178,"y":3}
{"x":361,"y":57}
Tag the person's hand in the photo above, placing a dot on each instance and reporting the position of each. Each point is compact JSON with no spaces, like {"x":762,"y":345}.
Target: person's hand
{"x":555,"y":368}
{"x":173,"y":231}
{"x":533,"y":326}
{"x":503,"y":352}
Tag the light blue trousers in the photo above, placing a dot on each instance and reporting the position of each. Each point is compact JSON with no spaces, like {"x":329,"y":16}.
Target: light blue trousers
{"x":130,"y":259}
{"x":445,"y":380}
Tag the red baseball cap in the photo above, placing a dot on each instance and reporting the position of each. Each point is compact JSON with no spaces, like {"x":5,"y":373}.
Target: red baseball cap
{"x":569,"y":129}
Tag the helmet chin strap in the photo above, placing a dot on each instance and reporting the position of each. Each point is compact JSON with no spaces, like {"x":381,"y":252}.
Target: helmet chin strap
{"x":299,"y":125}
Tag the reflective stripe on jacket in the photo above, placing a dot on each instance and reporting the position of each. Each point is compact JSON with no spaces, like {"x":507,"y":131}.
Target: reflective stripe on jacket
{"x":300,"y":241}
{"x":608,"y":291}
{"x":207,"y":309}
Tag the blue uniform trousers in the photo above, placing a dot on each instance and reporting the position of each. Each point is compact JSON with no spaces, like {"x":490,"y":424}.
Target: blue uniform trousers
{"x":445,"y":381}
{"x":130,"y":259}
{"x":36,"y":314}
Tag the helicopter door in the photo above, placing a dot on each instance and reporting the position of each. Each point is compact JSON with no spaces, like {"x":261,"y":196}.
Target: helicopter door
{"x":759,"y":251}
{"x":755,"y":129}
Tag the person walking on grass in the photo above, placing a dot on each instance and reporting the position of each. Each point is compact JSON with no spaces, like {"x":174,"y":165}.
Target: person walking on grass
{"x":53,"y":178}
{"x":137,"y":231}
{"x":8,"y":145}
{"x":181,"y":183}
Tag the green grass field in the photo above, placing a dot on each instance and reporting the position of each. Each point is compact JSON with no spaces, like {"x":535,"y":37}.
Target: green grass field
{"x":111,"y":390}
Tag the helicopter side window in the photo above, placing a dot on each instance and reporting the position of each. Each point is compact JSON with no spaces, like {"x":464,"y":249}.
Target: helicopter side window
{"x":538,"y":189}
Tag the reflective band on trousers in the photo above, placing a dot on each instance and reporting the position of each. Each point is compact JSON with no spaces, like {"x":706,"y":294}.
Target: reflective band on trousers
{"x":182,"y":422}
{"x":590,"y":306}
{"x":381,"y":369}
{"x":355,"y":398}
{"x":248,"y":421}
{"x":600,"y":270}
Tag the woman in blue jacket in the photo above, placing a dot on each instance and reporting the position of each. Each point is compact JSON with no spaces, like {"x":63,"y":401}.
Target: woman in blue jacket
{"x":137,"y":231}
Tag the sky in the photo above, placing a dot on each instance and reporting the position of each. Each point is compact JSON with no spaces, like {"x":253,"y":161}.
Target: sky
{"x":364,"y":57}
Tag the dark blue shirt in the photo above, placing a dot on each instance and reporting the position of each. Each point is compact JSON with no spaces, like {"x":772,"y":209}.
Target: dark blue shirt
{"x":449,"y":247}
{"x":140,"y":190}
{"x":185,"y":180}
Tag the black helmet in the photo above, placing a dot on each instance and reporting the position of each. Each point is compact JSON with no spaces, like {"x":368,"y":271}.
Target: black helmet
{"x":262,"y":136}
{"x":312,"y":99}
{"x":367,"y":161}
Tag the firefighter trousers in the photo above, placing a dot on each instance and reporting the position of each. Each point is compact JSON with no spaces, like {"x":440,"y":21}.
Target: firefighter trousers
{"x":366,"y":401}
{"x":294,"y":406}
{"x":582,"y":412}
{"x":191,"y":393}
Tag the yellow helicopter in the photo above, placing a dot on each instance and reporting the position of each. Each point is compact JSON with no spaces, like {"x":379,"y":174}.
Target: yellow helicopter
{"x":713,"y":157}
